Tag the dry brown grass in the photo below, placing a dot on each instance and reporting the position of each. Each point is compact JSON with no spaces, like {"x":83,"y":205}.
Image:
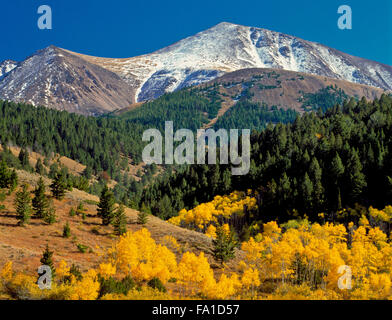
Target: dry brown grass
{"x":24,"y":245}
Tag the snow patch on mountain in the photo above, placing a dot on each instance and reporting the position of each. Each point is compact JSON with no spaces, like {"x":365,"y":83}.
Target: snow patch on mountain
{"x":228,"y":47}
{"x":7,"y":66}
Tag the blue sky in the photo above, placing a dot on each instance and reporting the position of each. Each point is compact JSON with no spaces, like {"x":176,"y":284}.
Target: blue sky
{"x":125,"y":28}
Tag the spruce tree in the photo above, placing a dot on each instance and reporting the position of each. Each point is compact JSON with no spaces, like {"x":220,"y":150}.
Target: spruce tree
{"x":39,"y":168}
{"x":66,"y":230}
{"x":50,"y":214}
{"x":47,"y":260}
{"x":24,"y":158}
{"x":2,"y":198}
{"x":72,"y":212}
{"x":58,"y":186}
{"x":4,"y":175}
{"x":8,"y":178}
{"x":224,"y":245}
{"x":142,"y":217}
{"x":337,"y":170}
{"x":40,"y":202}
{"x":307,"y":191}
{"x":106,"y":206}
{"x":23,"y":205}
{"x":315,"y":174}
{"x":13,"y":181}
{"x":120,"y":221}
{"x":356,"y":177}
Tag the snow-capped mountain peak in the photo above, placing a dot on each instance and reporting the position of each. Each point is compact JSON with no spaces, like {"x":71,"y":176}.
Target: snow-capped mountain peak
{"x":229,"y":47}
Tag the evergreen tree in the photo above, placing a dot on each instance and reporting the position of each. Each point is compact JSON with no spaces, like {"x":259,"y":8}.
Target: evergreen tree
{"x":58,"y":186}
{"x":23,"y":205}
{"x":357,"y":179}
{"x":337,"y":167}
{"x":87,"y":172}
{"x":4,"y":175}
{"x":307,"y":191}
{"x":106,"y":206}
{"x":47,"y":260}
{"x":224,"y":245}
{"x":24,"y":158}
{"x":39,"y":168}
{"x":50,"y":215}
{"x":2,"y":198}
{"x":66,"y":230}
{"x":315,"y":174}
{"x":142,"y":217}
{"x":120,"y":221}
{"x":337,"y":170}
{"x":72,"y":212}
{"x":13,"y":181}
{"x":40,"y":202}
{"x":8,"y":178}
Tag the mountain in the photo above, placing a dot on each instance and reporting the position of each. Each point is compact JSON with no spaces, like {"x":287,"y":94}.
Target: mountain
{"x":57,"y":79}
{"x":228,"y":47}
{"x":66,"y":80}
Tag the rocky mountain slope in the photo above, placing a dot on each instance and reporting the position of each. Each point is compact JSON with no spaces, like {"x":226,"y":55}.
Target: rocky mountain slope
{"x":284,"y":89}
{"x":55,"y":78}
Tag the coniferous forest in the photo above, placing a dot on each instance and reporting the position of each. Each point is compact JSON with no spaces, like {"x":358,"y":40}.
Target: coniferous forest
{"x":324,"y":176}
{"x":319,"y":163}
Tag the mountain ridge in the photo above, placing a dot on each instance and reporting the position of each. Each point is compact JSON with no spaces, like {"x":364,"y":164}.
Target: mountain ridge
{"x":197,"y":59}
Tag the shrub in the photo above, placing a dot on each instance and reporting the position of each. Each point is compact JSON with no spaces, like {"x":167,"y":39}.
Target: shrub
{"x":66,"y":231}
{"x":82,"y":248}
{"x":72,"y":212}
{"x":112,"y":285}
{"x":156,"y":283}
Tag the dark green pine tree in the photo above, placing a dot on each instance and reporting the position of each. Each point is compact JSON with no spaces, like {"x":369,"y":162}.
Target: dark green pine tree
{"x":58,"y":186}
{"x":13,"y":181}
{"x":23,"y":205}
{"x":337,"y":171}
{"x":120,"y":221}
{"x":39,"y":167}
{"x":24,"y":158}
{"x":307,"y":192}
{"x":8,"y":178}
{"x":106,"y":206}
{"x":337,"y":167}
{"x":4,"y":175}
{"x":224,"y":245}
{"x":66,"y":230}
{"x":47,"y":260}
{"x":315,"y":175}
{"x":50,"y":214}
{"x":40,"y":201}
{"x":142,"y":217}
{"x":356,"y":177}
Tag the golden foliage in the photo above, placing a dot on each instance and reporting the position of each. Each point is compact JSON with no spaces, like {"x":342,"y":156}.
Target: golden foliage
{"x":281,"y":262}
{"x":222,"y":207}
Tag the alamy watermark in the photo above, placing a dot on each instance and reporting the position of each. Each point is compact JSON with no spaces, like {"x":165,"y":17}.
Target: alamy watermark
{"x":184,"y":153}
{"x":45,"y":20}
{"x":344,"y":282}
{"x":45,"y":277}
{"x":345,"y":21}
